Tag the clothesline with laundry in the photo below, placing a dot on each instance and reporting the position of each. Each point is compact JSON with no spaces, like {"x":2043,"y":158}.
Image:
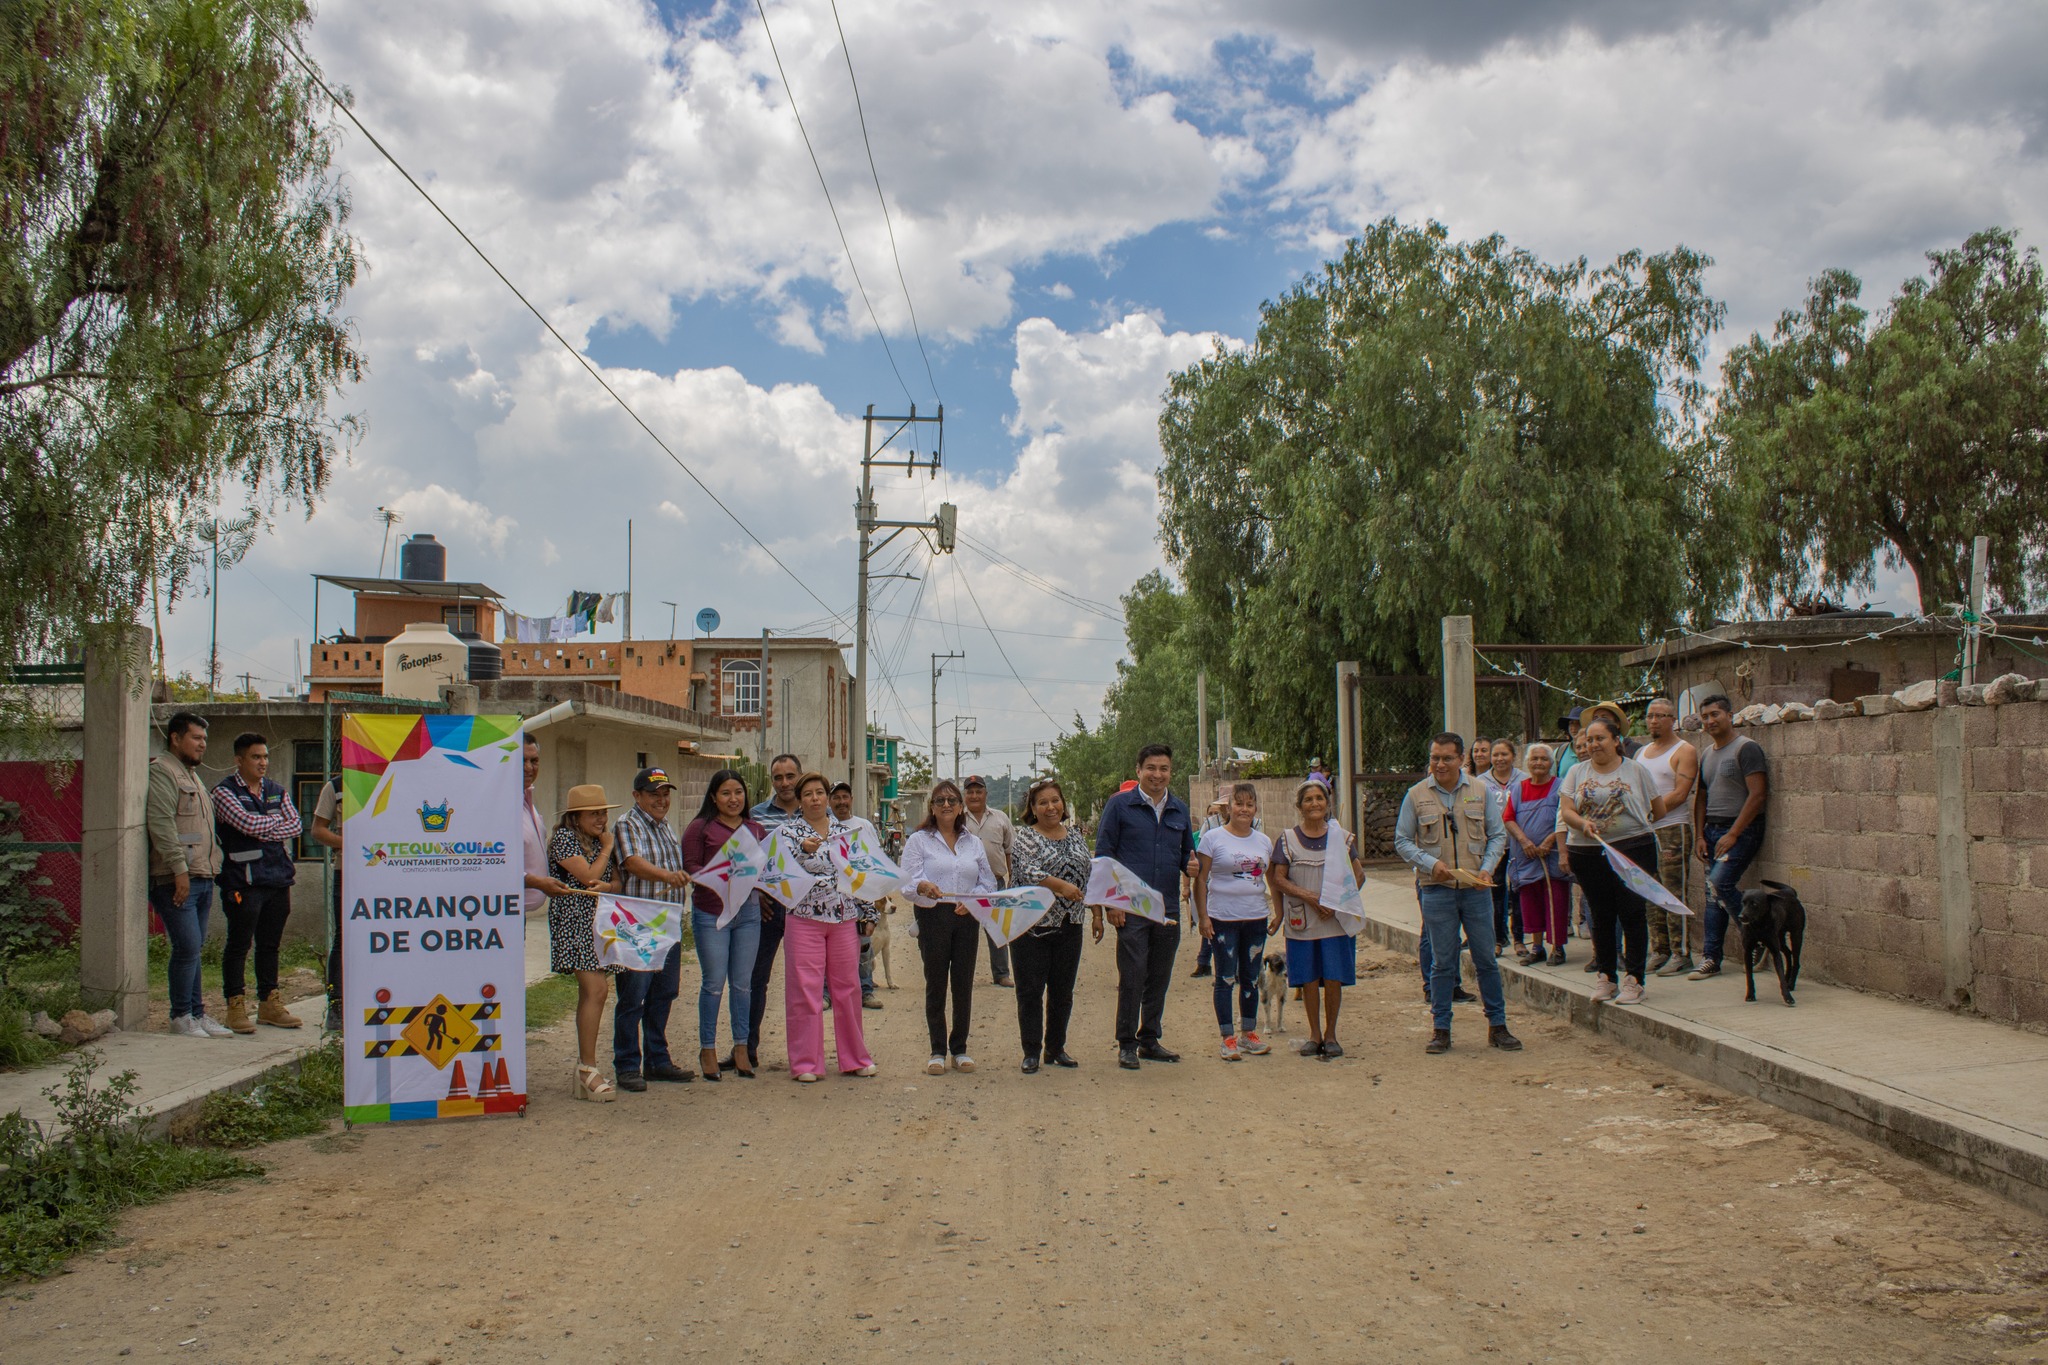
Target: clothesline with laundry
{"x":586,"y":612}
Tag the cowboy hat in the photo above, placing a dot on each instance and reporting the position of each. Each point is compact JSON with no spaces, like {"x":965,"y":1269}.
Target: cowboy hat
{"x":588,"y":796}
{"x":1612,"y":708}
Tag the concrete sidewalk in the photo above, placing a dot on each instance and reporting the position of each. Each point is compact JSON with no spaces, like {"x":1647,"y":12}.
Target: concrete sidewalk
{"x":174,"y":1075}
{"x":1964,"y":1095}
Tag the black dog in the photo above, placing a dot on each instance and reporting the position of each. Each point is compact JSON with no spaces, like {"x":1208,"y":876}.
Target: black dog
{"x":1774,"y":922}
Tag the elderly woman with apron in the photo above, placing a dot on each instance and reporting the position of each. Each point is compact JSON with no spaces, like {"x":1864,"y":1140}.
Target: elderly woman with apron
{"x":1541,"y":886}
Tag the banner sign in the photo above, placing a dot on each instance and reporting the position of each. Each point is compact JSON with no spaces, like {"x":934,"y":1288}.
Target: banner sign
{"x":1116,"y":887}
{"x":861,"y":870}
{"x":733,"y":874}
{"x":1008,"y":914}
{"x":433,"y":924}
{"x":635,"y":934}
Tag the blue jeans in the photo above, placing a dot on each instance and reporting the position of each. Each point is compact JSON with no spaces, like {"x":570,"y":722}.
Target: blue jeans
{"x":185,"y":926}
{"x":727,"y":957}
{"x":641,"y":1015}
{"x":1239,"y":943}
{"x":1723,"y":900}
{"x":1445,"y":911}
{"x":1425,"y":956}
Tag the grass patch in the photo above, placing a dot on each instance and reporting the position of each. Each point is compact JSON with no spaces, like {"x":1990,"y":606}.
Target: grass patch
{"x":550,"y":1000}
{"x":62,"y":1195}
{"x":42,"y":981}
{"x":293,"y":1104}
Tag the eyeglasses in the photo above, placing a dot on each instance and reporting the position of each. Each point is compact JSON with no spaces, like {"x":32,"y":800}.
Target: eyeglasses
{"x":944,"y":801}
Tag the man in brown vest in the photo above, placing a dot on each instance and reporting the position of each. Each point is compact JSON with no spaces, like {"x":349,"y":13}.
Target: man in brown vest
{"x":184,"y":859}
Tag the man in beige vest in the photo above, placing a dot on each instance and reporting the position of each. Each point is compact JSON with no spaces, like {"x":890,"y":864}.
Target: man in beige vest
{"x":1451,"y":833}
{"x":184,"y":858}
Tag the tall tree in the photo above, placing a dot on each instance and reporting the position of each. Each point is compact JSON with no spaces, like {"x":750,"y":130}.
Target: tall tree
{"x":1430,"y":427}
{"x":1151,"y":702}
{"x":1899,"y":442}
{"x":172,"y":267}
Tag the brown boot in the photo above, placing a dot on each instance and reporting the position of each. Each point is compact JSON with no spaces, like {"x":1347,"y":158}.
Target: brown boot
{"x":238,"y":1015}
{"x":271,"y":1011}
{"x":1439,"y":1043}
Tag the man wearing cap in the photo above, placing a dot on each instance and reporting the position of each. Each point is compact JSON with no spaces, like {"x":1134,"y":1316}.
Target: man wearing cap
{"x":652,"y":856}
{"x":994,"y":830}
{"x":842,"y":811}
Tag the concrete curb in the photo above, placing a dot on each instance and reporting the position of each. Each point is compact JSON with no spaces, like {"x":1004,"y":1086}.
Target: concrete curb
{"x":2006,"y":1160}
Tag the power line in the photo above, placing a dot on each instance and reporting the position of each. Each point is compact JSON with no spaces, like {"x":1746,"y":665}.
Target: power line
{"x":862,"y":114}
{"x":1029,"y":579}
{"x":997,"y":639}
{"x":581,"y":359}
{"x":762,"y":10}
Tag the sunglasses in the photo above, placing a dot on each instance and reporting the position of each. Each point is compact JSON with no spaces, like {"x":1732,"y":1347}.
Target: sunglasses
{"x":945,"y":801}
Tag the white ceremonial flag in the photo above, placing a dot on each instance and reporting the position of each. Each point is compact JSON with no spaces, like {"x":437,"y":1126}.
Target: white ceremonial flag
{"x":782,"y":876}
{"x":636,"y":934}
{"x":1009,"y":914}
{"x":861,"y":870}
{"x":1641,"y":882}
{"x":1340,"y":891}
{"x":1115,"y":887}
{"x":734,"y":873}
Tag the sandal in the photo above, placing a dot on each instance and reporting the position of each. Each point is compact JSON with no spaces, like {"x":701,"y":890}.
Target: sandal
{"x":747,"y":1070}
{"x":708,"y":1063}
{"x":591,"y":1084}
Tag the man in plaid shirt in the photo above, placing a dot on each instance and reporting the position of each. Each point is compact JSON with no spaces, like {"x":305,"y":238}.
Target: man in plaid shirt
{"x":652,"y":856}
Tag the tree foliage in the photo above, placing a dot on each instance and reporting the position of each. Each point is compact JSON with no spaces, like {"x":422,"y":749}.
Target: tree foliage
{"x":1151,"y":702}
{"x":172,"y":267}
{"x":1901,"y":441}
{"x":1430,"y":427}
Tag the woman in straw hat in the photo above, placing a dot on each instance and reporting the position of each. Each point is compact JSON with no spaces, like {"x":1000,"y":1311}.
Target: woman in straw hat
{"x":580,"y":854}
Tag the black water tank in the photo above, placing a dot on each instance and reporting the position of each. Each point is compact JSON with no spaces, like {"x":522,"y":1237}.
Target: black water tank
{"x":486,"y":660}
{"x":424,"y":558}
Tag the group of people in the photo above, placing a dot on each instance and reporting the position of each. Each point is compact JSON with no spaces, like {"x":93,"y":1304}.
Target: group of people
{"x":1505,"y":843}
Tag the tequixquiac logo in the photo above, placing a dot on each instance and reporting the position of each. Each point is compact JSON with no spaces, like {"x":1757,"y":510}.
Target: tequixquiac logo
{"x":435,"y":853}
{"x":434,"y":819}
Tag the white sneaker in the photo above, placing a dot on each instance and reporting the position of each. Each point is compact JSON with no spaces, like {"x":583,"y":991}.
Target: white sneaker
{"x":1603,"y":987}
{"x":963,"y":1062}
{"x":187,"y":1026}
{"x":936,"y":1066}
{"x":211,"y":1028}
{"x":1631,"y":992}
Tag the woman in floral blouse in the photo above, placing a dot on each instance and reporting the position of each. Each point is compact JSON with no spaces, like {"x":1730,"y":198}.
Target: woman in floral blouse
{"x":821,"y":942}
{"x":1048,"y":853}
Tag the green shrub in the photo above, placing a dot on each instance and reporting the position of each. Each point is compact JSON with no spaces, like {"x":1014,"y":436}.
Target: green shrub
{"x":291,"y":1105}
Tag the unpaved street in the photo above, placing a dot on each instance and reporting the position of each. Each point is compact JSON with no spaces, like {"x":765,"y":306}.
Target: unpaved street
{"x":1568,"y":1203}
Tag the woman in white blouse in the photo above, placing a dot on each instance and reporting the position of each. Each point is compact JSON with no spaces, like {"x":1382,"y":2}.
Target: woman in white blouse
{"x":821,"y":942}
{"x":941,"y":861}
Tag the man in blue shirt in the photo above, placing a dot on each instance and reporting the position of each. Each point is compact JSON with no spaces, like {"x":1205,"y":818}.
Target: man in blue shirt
{"x":777,"y":809}
{"x":1149,"y":831}
{"x":1451,"y":833}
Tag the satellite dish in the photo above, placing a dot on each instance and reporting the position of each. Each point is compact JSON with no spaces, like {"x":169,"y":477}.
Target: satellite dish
{"x":707,"y":620}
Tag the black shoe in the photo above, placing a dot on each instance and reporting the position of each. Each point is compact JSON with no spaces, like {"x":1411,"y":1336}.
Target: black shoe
{"x":1006,"y":983}
{"x":871,"y":1001}
{"x":633,"y":1081}
{"x":1031,"y":1066}
{"x":1062,"y":1059}
{"x":333,"y":1021}
{"x":1198,"y":971}
{"x":1152,"y":1052}
{"x":1127,"y":1058}
{"x":1439,"y":1043}
{"x":669,"y":1071}
{"x":1332,"y":1048}
{"x":1498,"y":1036}
{"x":1461,"y":996}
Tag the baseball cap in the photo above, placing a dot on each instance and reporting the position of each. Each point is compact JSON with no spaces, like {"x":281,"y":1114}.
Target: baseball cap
{"x":975,"y":781}
{"x":651,"y":780}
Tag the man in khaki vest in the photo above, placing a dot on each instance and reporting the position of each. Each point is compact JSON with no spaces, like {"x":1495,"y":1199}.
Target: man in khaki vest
{"x":184,"y":859}
{"x":1451,"y":833}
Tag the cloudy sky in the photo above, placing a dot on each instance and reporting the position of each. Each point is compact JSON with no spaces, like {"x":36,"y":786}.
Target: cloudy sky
{"x":1086,"y":197}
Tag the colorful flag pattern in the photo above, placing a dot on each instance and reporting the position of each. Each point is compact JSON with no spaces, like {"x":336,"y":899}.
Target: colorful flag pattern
{"x":1009,"y":914}
{"x":782,"y":876}
{"x":1115,"y":887}
{"x":734,"y":873}
{"x":1641,"y":882}
{"x":635,"y":934}
{"x":861,"y":870}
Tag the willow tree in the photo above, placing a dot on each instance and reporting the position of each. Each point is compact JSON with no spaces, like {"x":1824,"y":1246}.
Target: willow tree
{"x":172,"y":268}
{"x":1430,"y":427}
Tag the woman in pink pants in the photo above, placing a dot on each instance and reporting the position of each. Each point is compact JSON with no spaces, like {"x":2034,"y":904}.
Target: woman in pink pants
{"x":821,"y":944}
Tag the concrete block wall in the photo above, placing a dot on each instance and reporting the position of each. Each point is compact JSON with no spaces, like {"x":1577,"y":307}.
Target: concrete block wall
{"x":1918,"y":842}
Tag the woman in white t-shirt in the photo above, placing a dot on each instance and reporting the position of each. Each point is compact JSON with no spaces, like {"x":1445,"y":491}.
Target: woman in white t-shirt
{"x":1613,"y":800}
{"x":1232,"y":902}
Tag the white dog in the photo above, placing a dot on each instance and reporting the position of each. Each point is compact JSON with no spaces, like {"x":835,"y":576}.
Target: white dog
{"x":878,"y":943}
{"x":1273,"y":991}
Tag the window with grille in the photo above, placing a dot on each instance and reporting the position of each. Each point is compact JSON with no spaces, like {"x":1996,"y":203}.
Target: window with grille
{"x":739,"y":688}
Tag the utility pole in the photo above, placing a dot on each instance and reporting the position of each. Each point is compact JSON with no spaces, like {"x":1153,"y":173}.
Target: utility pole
{"x":247,"y":685}
{"x":957,"y":722}
{"x":937,"y":669}
{"x":1973,"y":628}
{"x":1201,"y":719}
{"x":228,"y":540}
{"x":941,"y":527}
{"x":1036,"y":745}
{"x":627,"y":633}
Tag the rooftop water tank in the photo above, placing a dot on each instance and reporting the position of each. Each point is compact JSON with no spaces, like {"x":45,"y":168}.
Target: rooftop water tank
{"x":486,"y":660}
{"x":427,"y":657}
{"x":424,"y":558}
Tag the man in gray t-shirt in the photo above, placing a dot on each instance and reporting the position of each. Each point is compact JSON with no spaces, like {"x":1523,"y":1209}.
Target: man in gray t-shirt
{"x":1728,"y":813}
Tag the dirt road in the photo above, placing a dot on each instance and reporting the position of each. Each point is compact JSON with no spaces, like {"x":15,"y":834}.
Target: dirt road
{"x":1566,"y":1203}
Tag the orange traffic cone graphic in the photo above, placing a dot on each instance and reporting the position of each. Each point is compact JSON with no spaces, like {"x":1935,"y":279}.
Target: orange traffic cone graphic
{"x":458,"y":1089}
{"x":503,"y":1082}
{"x":486,"y":1086}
